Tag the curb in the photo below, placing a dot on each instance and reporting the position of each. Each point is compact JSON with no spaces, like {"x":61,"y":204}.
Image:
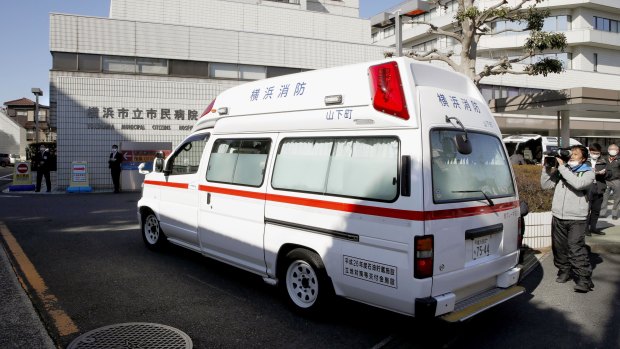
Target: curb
{"x":21,"y":326}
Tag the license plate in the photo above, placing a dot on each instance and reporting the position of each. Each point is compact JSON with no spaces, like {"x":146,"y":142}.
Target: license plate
{"x":481,"y":247}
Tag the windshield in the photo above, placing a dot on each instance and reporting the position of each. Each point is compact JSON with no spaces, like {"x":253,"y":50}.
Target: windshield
{"x":458,"y":177}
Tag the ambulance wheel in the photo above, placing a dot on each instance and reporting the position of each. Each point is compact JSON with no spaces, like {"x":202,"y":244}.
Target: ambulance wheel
{"x":152,"y":235}
{"x":306,"y":284}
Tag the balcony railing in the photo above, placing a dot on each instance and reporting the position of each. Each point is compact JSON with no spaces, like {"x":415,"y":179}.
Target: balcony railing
{"x":293,"y":2}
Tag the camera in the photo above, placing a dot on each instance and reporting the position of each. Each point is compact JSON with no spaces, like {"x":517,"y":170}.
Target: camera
{"x":551,"y":155}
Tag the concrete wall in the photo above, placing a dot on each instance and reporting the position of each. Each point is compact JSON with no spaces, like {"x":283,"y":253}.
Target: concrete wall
{"x":69,"y":33}
{"x":323,"y":19}
{"x":90,"y":115}
{"x":12,"y":136}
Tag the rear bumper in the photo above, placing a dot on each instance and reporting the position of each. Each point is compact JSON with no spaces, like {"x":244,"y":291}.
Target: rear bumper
{"x":486,"y":300}
{"x":446,"y":307}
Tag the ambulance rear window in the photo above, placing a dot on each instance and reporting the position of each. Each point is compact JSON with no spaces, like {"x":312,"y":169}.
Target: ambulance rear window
{"x":459,"y":177}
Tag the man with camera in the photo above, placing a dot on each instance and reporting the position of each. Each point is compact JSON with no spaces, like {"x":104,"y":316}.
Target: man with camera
{"x":572,"y":178}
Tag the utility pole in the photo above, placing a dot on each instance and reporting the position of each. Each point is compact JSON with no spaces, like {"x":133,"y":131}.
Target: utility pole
{"x":37,"y":92}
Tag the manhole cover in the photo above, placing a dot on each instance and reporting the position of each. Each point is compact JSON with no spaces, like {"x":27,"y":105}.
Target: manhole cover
{"x":133,"y":335}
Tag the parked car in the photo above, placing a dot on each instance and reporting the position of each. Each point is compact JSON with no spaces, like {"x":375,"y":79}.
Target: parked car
{"x":5,"y":160}
{"x":14,"y":158}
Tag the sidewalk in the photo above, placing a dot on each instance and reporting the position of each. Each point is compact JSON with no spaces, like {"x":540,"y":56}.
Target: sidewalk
{"x":21,"y":326}
{"x":610,"y":242}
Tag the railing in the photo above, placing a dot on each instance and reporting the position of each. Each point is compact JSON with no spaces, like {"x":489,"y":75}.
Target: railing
{"x":293,"y":2}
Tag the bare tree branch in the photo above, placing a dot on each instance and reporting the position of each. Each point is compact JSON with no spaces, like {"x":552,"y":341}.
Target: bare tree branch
{"x":433,"y":55}
{"x":436,"y":30}
{"x":484,"y":18}
{"x":503,"y":31}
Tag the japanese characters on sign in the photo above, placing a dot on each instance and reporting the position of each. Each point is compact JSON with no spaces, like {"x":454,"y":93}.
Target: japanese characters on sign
{"x":382,"y":274}
{"x":278,"y":91}
{"x":108,"y":113}
{"x":458,"y":103}
{"x":339,"y":114}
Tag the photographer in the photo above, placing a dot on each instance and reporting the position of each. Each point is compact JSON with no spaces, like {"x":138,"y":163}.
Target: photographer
{"x":571,"y":179}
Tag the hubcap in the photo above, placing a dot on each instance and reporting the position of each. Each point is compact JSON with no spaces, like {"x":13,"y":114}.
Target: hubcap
{"x":151,"y":229}
{"x":302,"y":284}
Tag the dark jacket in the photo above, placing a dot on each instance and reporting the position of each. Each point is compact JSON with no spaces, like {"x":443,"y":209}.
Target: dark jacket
{"x":114,"y":162}
{"x":613,"y":168}
{"x":42,"y":161}
{"x":599,"y":179}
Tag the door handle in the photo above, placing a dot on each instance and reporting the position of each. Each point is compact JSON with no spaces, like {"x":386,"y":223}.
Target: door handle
{"x":208,"y":198}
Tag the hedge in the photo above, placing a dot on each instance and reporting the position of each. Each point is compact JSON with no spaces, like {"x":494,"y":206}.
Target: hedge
{"x":528,"y":183}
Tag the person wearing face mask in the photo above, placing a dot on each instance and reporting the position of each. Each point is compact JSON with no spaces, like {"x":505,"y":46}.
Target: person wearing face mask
{"x":42,"y":159}
{"x":572,"y":181}
{"x":597,"y":190}
{"x":114,"y":163}
{"x":612,"y":178}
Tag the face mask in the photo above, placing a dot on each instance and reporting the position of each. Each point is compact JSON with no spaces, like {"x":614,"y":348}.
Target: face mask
{"x":573,"y":163}
{"x":113,"y":149}
{"x":613,"y":152}
{"x":595,"y":157}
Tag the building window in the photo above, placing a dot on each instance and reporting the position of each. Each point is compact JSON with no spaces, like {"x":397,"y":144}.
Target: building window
{"x":426,"y":46}
{"x":252,"y":72}
{"x":114,"y":64}
{"x":279,"y":71}
{"x":389,"y":31}
{"x":189,"y":68}
{"x":596,"y":62}
{"x":89,"y":63}
{"x":223,"y":71}
{"x":64,"y":61}
{"x":152,"y":66}
{"x":375,"y":36}
{"x":21,"y":112}
{"x":605,"y":24}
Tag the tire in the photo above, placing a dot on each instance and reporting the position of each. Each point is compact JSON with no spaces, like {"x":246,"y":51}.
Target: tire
{"x":306,"y":285}
{"x":152,"y":234}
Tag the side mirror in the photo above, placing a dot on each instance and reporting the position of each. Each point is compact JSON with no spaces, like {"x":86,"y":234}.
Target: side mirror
{"x":158,"y":165}
{"x":463,"y":145}
{"x":141,"y":169}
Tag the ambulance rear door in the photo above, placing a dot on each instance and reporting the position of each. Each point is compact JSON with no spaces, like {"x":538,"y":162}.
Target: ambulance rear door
{"x":470,"y":201}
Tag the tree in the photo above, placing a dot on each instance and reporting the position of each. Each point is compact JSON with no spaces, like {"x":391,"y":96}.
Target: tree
{"x":472,"y":23}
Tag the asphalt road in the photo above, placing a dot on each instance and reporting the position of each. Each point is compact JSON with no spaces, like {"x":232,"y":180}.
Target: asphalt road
{"x":6,"y":176}
{"x":89,"y":253}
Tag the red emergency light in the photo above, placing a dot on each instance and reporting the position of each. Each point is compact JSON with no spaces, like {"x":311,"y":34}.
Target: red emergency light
{"x":387,"y":90}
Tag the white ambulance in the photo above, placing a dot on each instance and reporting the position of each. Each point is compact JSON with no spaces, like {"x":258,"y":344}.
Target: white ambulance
{"x":385,"y":182}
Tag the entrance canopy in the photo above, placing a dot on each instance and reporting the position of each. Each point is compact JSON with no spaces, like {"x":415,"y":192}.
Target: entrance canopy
{"x":581,"y":103}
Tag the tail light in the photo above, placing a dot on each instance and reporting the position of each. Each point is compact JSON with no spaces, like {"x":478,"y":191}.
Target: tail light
{"x":520,"y":232}
{"x":423,"y":260}
{"x":208,"y":109}
{"x":387,"y":90}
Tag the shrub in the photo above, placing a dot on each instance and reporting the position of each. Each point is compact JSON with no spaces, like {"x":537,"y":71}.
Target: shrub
{"x":528,"y":183}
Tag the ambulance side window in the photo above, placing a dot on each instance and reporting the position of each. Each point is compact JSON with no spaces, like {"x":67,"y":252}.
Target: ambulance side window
{"x":186,"y":158}
{"x":238,"y":161}
{"x":361,"y":167}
